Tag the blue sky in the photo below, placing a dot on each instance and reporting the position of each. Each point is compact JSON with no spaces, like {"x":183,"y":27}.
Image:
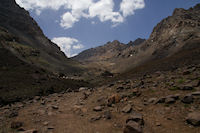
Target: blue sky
{"x":76,"y":25}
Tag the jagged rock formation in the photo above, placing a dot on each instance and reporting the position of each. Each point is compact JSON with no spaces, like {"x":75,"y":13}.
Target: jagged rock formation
{"x":177,"y":34}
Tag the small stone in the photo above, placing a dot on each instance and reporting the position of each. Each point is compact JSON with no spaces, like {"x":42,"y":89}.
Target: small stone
{"x":55,"y":107}
{"x":132,"y":127}
{"x":187,"y":99}
{"x":42,"y":102}
{"x":83,"y":88}
{"x":16,"y":125}
{"x":97,"y":108}
{"x":95,"y":118}
{"x":127,"y":109}
{"x":45,"y":123}
{"x":50,"y":127}
{"x":158,"y":124}
{"x":193,"y":118}
{"x":170,"y":100}
{"x":152,"y":100}
{"x":31,"y":131}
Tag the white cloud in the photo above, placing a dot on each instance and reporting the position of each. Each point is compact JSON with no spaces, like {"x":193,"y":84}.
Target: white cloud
{"x":68,"y":20}
{"x":41,"y":4}
{"x":68,"y":45}
{"x":127,"y":7}
{"x":104,"y":10}
{"x":77,"y":9}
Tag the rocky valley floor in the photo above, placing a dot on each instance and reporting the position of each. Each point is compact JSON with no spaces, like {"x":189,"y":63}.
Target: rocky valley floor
{"x":163,"y":102}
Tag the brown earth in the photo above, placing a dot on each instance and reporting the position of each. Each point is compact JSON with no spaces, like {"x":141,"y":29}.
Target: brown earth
{"x":74,"y":111}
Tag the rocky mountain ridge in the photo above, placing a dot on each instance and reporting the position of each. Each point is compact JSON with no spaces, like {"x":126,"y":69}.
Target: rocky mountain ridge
{"x":176,"y":33}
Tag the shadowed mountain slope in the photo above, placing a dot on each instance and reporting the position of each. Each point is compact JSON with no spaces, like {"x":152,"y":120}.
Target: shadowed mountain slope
{"x":17,"y":22}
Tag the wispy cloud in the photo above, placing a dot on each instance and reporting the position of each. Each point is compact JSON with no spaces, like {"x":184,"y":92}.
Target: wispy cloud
{"x":77,"y":9}
{"x":68,"y":45}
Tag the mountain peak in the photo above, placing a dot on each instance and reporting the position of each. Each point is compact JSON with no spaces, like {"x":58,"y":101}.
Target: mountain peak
{"x":136,"y":42}
{"x":115,"y":42}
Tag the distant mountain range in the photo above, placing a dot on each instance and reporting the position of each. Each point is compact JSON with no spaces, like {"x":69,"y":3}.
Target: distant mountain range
{"x":173,"y":35}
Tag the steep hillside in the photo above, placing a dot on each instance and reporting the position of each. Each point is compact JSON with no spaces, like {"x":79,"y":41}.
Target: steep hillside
{"x":174,"y":42}
{"x":30,"y":64}
{"x":17,"y":22}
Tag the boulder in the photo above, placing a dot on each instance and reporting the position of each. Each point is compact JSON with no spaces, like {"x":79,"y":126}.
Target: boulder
{"x":136,"y":117}
{"x":186,"y":87}
{"x":152,"y":100}
{"x":187,"y":99}
{"x":115,"y":98}
{"x":132,"y":127}
{"x":193,"y":118}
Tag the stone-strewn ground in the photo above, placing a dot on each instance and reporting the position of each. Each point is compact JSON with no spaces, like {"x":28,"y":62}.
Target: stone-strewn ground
{"x":163,"y":102}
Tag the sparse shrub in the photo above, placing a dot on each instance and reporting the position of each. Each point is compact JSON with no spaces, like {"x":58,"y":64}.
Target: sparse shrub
{"x":173,"y":88}
{"x":166,"y":105}
{"x":180,"y":81}
{"x":151,"y":90}
{"x":186,"y":105}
